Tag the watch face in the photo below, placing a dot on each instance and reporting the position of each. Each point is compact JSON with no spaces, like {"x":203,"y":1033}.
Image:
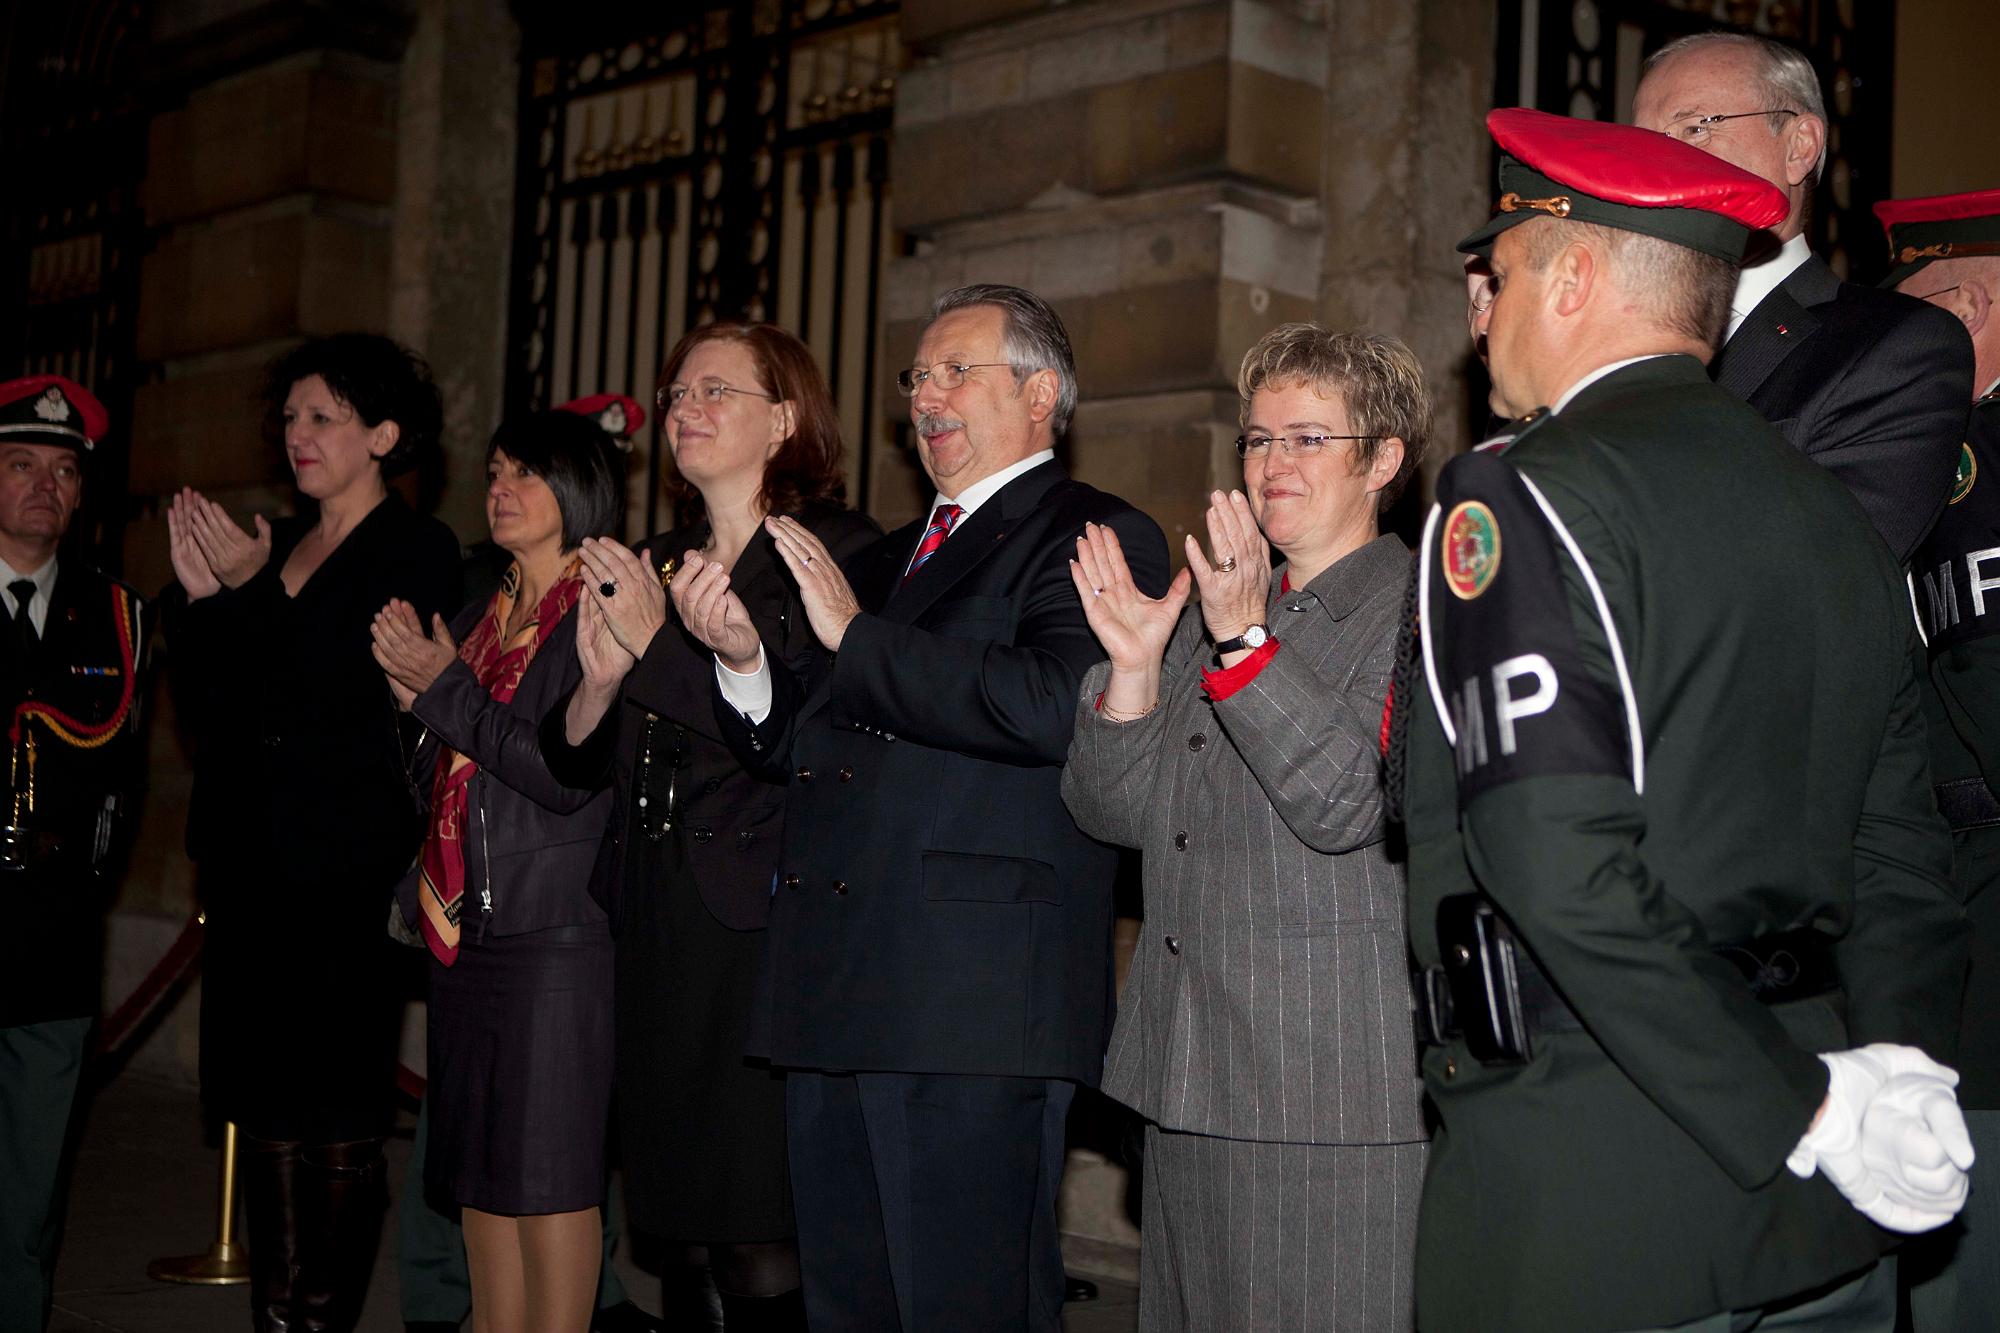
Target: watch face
{"x":1254,"y":636}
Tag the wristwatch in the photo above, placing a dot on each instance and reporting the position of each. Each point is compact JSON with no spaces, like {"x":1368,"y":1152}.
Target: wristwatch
{"x":1256,"y":636}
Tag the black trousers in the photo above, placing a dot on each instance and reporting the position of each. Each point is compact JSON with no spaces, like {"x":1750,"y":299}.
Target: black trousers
{"x":927,"y":1202}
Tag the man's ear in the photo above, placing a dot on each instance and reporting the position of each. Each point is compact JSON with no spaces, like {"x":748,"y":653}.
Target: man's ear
{"x":1042,"y":389}
{"x":1972,"y":303}
{"x":1803,"y":145}
{"x":1572,"y":278}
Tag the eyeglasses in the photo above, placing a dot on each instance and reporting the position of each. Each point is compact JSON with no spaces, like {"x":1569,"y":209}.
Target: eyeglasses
{"x":945,"y":374}
{"x":1696,"y":131}
{"x":1942,"y":291}
{"x":710,"y":391}
{"x":1294,"y":446}
{"x":1483,"y":293}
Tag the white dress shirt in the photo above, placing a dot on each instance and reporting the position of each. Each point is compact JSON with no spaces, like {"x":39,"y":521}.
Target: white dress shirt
{"x":750,"y":694}
{"x":1758,"y":281}
{"x":45,"y":587}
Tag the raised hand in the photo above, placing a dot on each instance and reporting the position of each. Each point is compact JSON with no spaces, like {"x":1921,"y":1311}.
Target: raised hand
{"x":830,"y":603}
{"x":407,"y":655}
{"x":234,"y":555}
{"x":636,"y":606}
{"x":190,"y":565}
{"x":1236,"y":585}
{"x":714,"y":614}
{"x":604,"y":660}
{"x":1133,"y":627}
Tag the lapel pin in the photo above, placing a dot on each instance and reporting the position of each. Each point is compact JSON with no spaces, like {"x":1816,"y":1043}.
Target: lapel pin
{"x":1783,"y":330}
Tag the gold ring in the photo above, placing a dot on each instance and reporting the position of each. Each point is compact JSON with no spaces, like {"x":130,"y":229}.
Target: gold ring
{"x":1228,"y":566}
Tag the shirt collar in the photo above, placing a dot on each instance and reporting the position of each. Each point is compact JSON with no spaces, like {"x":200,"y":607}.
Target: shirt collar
{"x":979,"y":492}
{"x":1339,"y":588}
{"x":45,"y":586}
{"x":1759,"y":280}
{"x":1598,"y":374}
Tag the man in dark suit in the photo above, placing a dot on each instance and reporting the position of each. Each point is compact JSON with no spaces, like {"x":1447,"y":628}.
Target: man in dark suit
{"x":69,"y":725}
{"x":1676,"y":880}
{"x":1947,"y":250}
{"x":1869,"y":384}
{"x":939,"y":953}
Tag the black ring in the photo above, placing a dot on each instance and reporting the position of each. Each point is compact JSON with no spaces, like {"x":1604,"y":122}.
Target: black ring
{"x":607,"y":588}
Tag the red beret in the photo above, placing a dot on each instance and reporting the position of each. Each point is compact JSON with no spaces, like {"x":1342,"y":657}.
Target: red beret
{"x":1626,"y":177}
{"x":621,"y":417}
{"x":1942,"y":226}
{"x":51,"y":409}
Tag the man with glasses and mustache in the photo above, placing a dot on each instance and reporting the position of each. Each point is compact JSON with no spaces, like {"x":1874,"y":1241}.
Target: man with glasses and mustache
{"x":938,"y":962}
{"x":1946,"y":250}
{"x":1869,"y":384}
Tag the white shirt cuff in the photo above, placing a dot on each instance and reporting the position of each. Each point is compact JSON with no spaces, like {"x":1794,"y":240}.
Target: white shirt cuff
{"x":748,"y":694}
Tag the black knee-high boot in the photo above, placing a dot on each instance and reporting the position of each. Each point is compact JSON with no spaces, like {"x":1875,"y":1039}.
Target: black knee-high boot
{"x":342,"y":1202}
{"x":269,"y":1169}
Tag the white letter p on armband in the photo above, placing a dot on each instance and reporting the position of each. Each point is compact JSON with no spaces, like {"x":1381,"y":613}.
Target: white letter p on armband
{"x":1508,"y":707}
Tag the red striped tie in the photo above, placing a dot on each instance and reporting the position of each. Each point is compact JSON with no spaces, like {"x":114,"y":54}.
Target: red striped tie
{"x":943,"y":519}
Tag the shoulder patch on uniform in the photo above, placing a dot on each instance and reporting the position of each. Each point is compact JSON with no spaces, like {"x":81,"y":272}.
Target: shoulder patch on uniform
{"x":1505,"y":668}
{"x":1968,"y":473}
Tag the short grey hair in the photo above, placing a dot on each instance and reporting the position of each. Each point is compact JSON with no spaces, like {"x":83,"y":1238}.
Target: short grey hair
{"x":1682,"y":290}
{"x":1032,"y":338}
{"x":1790,"y":81}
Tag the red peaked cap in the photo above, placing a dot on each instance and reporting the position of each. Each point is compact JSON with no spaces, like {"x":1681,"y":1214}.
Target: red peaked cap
{"x":1942,"y":226}
{"x":1626,"y":177}
{"x":621,"y":417}
{"x":51,"y":409}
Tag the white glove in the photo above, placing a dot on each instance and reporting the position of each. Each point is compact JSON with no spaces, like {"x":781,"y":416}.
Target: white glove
{"x":1890,"y":1137}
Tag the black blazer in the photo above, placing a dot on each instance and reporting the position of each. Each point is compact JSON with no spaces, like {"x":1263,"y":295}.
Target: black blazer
{"x":937,"y":908}
{"x":531,"y":841}
{"x":727,"y":821}
{"x":1871,"y":385}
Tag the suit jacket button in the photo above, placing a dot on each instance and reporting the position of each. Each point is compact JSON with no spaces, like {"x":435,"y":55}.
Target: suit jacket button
{"x":846,"y":773}
{"x":704,"y":833}
{"x":805,"y":774}
{"x":744,"y":839}
{"x":840,"y":887}
{"x":1173,"y":944}
{"x":1180,"y":841}
{"x":712,"y":786}
{"x":888,"y":735}
{"x":1450,"y":1067}
{"x":791,"y":881}
{"x":1197,"y":742}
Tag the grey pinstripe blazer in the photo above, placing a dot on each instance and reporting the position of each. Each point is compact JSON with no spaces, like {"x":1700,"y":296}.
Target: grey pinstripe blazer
{"x":1269,"y":998}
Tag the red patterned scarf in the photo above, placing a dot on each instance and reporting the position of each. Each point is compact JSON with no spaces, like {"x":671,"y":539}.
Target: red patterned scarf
{"x":499,"y":661}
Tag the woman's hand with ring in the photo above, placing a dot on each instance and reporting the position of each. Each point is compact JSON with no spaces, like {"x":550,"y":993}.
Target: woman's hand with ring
{"x":1236,"y":586}
{"x":714,"y":614}
{"x":626,"y":591}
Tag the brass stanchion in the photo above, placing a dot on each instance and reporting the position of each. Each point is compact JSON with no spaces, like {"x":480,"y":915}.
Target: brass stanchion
{"x":223,"y":1265}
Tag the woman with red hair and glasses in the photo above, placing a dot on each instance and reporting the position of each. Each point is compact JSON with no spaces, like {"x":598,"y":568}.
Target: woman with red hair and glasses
{"x":686,"y":868}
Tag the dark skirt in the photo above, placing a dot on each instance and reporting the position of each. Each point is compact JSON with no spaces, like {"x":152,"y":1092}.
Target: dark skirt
{"x":301,"y":1005}
{"x":701,"y":1128}
{"x":520,"y":1072}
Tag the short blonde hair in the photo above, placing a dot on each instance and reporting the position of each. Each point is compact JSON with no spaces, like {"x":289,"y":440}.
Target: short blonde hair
{"x":1377,"y":377}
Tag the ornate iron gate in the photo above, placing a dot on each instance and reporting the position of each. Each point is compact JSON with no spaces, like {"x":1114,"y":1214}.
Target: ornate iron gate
{"x":72,"y":231}
{"x":732,"y":162}
{"x":1583,"y":57}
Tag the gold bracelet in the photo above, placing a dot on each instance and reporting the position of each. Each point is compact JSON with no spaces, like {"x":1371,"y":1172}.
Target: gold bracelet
{"x":1110,"y":714}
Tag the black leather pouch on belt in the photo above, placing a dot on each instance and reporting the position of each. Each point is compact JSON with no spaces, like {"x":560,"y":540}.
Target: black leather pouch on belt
{"x":1967,"y":803}
{"x":1490,"y":992}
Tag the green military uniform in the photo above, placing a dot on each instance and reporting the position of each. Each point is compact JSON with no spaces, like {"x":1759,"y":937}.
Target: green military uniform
{"x":1631,"y":1173}
{"x":1959,"y":610}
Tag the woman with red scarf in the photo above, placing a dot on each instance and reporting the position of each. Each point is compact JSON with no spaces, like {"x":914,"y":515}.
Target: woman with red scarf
{"x":520,"y":1005}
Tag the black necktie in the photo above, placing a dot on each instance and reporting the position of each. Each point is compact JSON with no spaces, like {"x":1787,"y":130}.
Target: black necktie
{"x":25,"y":638}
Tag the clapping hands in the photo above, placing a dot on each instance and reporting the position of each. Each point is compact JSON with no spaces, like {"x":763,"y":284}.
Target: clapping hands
{"x":411,"y":659}
{"x":209,"y":552}
{"x":714,"y":614}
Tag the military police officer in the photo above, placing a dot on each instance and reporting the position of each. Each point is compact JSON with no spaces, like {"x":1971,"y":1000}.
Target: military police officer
{"x":1946,"y":250}
{"x":69,"y":686}
{"x":1677,"y":886}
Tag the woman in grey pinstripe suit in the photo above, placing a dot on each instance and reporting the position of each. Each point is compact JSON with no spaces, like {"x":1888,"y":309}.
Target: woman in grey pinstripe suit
{"x":1265,"y":1029}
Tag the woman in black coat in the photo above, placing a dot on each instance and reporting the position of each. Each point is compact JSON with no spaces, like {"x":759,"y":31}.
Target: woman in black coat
{"x":302,"y":818}
{"x":694,"y":840}
{"x":520,"y":1001}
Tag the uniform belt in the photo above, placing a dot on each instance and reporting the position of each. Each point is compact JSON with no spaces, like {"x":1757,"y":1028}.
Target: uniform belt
{"x":1778,"y":969}
{"x":1967,"y":803}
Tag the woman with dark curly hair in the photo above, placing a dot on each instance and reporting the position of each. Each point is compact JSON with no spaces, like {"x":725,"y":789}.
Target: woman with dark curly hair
{"x":687,"y":867}
{"x":302,"y":817}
